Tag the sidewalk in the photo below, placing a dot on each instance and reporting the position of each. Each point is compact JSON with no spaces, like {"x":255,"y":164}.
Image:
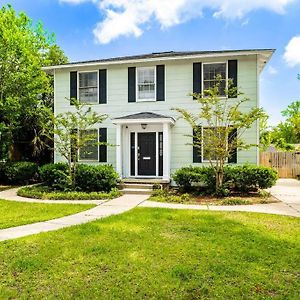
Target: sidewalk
{"x":109,"y":208}
{"x":272,"y":208}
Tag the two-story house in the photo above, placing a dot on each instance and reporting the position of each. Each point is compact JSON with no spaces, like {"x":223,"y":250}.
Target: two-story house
{"x":138,"y":92}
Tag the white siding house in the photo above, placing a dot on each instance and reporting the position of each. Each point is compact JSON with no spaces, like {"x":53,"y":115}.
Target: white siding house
{"x":138,"y":93}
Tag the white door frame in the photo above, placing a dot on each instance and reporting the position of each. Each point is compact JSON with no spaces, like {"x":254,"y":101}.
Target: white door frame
{"x":123,"y":158}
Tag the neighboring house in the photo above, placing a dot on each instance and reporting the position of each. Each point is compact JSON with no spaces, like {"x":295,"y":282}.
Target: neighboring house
{"x":138,"y":92}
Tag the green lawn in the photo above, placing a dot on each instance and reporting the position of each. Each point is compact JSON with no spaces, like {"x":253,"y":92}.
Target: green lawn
{"x":158,"y":254}
{"x":19,"y":213}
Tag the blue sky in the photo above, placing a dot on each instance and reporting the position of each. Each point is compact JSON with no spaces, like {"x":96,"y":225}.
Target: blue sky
{"x":91,"y":29}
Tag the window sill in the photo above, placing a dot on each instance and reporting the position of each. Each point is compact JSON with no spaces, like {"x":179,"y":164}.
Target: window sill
{"x":87,"y":160}
{"x":145,"y":100}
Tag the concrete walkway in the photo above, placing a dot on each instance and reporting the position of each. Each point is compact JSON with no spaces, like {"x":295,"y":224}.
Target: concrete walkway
{"x":287,"y":191}
{"x":109,"y":208}
{"x":272,"y":208}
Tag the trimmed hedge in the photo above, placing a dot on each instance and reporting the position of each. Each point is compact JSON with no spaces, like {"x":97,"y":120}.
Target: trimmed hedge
{"x":45,"y":192}
{"x":55,"y":175}
{"x":244,"y":178}
{"x":20,"y":172}
{"x":88,"y":178}
{"x":95,"y":178}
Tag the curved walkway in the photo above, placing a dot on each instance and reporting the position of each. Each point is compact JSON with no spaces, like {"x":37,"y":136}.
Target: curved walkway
{"x":286,"y":190}
{"x":109,"y":208}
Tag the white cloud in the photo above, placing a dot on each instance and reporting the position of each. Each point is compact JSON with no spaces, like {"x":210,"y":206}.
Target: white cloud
{"x":127,"y":17}
{"x":272,"y":70}
{"x":292,"y":52}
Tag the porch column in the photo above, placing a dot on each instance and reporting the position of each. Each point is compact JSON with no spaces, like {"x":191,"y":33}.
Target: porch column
{"x":119,"y":150}
{"x":166,"y":151}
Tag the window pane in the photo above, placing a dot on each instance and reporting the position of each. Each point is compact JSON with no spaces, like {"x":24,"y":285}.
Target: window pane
{"x":146,"y":75}
{"x":146,"y":83}
{"x":88,"y":79}
{"x":90,"y":151}
{"x":146,"y":91}
{"x":210,"y":72}
{"x":88,"y":95}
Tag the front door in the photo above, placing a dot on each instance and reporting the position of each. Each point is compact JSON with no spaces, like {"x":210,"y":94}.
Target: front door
{"x":147,"y":154}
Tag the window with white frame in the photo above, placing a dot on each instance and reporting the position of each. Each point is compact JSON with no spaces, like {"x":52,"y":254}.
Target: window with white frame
{"x":146,"y":83}
{"x":210,"y":73}
{"x":210,"y":137}
{"x":90,"y":151}
{"x":88,"y":87}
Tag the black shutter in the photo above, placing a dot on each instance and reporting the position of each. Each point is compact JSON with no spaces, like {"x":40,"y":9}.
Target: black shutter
{"x":197,"y":158}
{"x":131,"y":85}
{"x":103,"y":148}
{"x":232,"y":139}
{"x":160,"y":83}
{"x":197,"y":78}
{"x":132,"y":154}
{"x":102,"y":86}
{"x":73,"y":86}
{"x":74,"y":154}
{"x":232,"y":74}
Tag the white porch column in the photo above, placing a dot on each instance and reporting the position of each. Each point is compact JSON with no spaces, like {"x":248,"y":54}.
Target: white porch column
{"x":166,"y":151}
{"x":119,"y":150}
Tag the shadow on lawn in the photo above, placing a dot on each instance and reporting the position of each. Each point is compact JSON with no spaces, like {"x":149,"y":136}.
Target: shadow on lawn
{"x":159,"y":253}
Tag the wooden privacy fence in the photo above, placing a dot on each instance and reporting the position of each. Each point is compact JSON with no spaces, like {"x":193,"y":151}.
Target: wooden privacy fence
{"x":286,"y":163}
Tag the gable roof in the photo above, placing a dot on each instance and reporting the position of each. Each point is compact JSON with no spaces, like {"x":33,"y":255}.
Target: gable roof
{"x":146,"y":117}
{"x":264,"y":54}
{"x":143,"y":115}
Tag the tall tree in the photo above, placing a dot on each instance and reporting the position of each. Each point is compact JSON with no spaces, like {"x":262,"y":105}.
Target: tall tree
{"x":72,"y":132}
{"x":224,"y":121}
{"x":24,"y":87}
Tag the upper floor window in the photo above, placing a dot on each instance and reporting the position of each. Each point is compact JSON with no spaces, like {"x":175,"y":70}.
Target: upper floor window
{"x":146,"y":89}
{"x":88,"y":87}
{"x":90,"y":152}
{"x":210,"y":72}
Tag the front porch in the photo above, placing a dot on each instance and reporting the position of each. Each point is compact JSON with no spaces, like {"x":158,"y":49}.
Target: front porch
{"x":143,"y":146}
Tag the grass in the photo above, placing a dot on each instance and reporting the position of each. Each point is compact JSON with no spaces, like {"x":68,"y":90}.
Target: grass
{"x":174,"y":196}
{"x":158,"y":254}
{"x":19,"y":213}
{"x":44,"y":192}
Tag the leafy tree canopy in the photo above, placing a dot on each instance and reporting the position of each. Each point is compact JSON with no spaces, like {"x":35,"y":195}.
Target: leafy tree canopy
{"x":24,"y":87}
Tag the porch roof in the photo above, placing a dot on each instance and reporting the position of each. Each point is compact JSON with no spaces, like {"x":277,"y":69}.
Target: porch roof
{"x":149,"y":117}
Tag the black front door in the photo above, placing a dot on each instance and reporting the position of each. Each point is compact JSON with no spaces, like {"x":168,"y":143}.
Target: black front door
{"x":147,"y":154}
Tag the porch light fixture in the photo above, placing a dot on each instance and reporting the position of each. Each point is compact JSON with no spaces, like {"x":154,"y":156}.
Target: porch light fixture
{"x":144,"y":126}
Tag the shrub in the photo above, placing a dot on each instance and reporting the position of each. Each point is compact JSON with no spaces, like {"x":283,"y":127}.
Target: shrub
{"x":18,"y":172}
{"x":55,"y":176}
{"x":44,"y":192}
{"x":95,"y":178}
{"x":244,"y":178}
{"x":248,"y":178}
{"x":187,"y":176}
{"x":235,"y":202}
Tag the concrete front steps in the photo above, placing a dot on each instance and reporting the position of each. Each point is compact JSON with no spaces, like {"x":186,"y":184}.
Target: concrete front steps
{"x":142,"y":186}
{"x":136,"y":188}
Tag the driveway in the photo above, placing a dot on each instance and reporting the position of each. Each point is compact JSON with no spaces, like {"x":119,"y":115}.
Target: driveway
{"x":288,"y":191}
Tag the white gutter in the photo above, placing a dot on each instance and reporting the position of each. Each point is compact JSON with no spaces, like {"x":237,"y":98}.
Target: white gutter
{"x":266,"y":53}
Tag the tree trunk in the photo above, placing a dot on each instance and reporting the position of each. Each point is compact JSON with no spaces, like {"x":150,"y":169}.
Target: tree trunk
{"x":219,"y":178}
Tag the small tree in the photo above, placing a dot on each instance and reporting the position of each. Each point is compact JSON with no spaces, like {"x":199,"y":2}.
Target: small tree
{"x":66,"y":129}
{"x":224,"y":123}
